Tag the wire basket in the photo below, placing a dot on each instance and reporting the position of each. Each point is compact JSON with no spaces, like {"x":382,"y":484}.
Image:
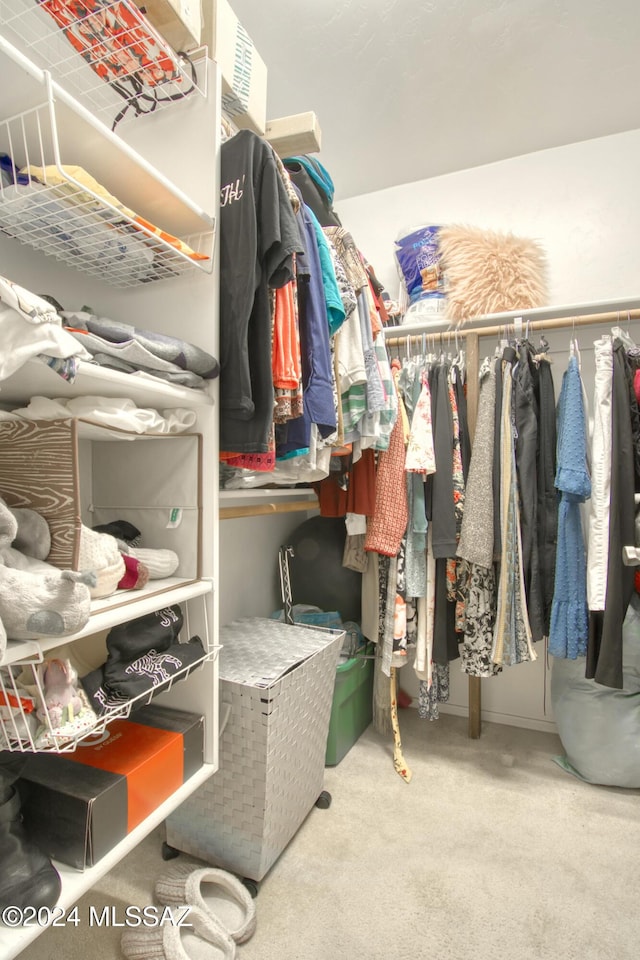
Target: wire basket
{"x":77,"y":220}
{"x":28,"y":725}
{"x":106,"y":54}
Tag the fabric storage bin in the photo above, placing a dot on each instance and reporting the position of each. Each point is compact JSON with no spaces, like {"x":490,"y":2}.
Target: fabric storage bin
{"x":74,"y":472}
{"x":276,"y":682}
{"x":352,"y":709}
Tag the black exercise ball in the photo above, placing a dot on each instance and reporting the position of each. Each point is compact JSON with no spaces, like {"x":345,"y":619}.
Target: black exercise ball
{"x":317,"y":574}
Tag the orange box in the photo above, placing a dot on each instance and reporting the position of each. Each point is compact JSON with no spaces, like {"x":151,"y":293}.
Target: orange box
{"x":78,"y":806}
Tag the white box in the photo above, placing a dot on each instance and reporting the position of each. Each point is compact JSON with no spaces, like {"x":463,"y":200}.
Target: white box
{"x":178,"y":21}
{"x":276,"y":683}
{"x":244,"y":74}
{"x":291,"y":136}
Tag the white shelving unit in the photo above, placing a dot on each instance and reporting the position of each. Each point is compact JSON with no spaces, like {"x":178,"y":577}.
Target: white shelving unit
{"x":75,"y":883}
{"x":144,"y":168}
{"x":55,"y":208}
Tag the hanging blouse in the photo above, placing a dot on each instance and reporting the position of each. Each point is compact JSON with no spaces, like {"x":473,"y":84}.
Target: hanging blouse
{"x":286,"y":363}
{"x":598,"y":552}
{"x":421,"y":456}
{"x":476,"y":537}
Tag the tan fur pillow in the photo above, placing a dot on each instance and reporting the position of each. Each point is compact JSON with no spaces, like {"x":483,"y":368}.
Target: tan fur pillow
{"x":490,"y":272}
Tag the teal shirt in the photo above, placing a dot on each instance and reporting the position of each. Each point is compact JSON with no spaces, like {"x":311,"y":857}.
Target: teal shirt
{"x":335,"y":309}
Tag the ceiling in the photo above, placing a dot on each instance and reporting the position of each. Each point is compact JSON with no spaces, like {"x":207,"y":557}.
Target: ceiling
{"x":409,"y":89}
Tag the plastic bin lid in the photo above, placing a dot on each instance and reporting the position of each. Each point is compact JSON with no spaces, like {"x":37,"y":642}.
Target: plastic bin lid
{"x":257,"y":652}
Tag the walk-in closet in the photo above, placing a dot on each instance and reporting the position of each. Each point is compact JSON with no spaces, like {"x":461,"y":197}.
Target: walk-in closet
{"x":319,"y":480}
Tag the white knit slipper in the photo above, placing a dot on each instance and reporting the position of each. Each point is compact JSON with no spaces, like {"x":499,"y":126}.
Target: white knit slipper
{"x":201,"y":939}
{"x":216,"y":892}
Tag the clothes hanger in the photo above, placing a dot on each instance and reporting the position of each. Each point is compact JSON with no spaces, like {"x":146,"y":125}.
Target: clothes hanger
{"x":619,"y":334}
{"x":517,"y":331}
{"x":574,"y":349}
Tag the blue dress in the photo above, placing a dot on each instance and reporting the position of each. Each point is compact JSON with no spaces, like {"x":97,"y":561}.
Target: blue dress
{"x":569,"y":629}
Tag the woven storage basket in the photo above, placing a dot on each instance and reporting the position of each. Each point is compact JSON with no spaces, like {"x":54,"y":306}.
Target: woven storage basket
{"x":278,"y":682}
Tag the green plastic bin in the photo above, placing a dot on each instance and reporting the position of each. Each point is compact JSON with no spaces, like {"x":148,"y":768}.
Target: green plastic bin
{"x":352,"y":709}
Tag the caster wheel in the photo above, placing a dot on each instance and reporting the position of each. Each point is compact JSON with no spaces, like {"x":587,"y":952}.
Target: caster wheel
{"x":324,"y":800}
{"x":251,"y":886}
{"x":169,"y":853}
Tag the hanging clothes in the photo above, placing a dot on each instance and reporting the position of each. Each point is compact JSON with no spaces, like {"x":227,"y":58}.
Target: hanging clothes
{"x":547,"y":518}
{"x":569,"y":630}
{"x":476,"y":537}
{"x":316,"y":186}
{"x":258,"y":237}
{"x":294,"y":437}
{"x":512,"y":641}
{"x":457,"y":569}
{"x":420,"y":463}
{"x":525,"y":408}
{"x":441,"y":513}
{"x":388,"y":524}
{"x":604,"y":652}
{"x":598,"y":548}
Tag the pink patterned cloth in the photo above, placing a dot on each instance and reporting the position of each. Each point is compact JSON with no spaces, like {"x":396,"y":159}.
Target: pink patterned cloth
{"x":388,"y":524}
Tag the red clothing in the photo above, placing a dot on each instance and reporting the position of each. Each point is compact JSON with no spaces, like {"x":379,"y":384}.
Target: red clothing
{"x":359,"y":495}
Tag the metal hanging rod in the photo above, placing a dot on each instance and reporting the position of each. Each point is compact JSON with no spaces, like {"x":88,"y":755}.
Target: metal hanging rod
{"x":495,"y":330}
{"x":266,"y":509}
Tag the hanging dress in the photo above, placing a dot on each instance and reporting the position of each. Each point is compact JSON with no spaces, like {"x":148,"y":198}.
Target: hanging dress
{"x":569,"y":630}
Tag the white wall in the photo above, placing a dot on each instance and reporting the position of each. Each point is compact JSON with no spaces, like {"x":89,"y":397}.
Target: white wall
{"x":249,"y":580}
{"x":580,"y":201}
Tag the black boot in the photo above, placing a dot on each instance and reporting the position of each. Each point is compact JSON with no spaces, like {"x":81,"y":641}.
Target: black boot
{"x":27,"y":877}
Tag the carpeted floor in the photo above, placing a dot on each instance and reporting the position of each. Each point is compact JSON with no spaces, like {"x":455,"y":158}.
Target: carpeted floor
{"x":492,"y":852}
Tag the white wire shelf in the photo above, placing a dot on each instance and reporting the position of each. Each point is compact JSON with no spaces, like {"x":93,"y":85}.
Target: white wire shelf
{"x":28,"y":725}
{"x":106,"y":54}
{"x":52,"y":208}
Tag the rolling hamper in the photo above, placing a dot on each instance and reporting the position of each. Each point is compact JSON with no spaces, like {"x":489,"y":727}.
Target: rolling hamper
{"x":276,"y":684}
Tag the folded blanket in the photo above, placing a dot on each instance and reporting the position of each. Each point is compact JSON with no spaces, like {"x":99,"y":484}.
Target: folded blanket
{"x":183,"y":378}
{"x":30,"y":326}
{"x":118,"y":412}
{"x":144,"y":348}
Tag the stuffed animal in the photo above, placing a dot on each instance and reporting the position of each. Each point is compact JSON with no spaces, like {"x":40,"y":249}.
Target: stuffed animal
{"x":61,"y":700}
{"x":36,"y":599}
{"x":64,"y":711}
{"x":99,"y":552}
